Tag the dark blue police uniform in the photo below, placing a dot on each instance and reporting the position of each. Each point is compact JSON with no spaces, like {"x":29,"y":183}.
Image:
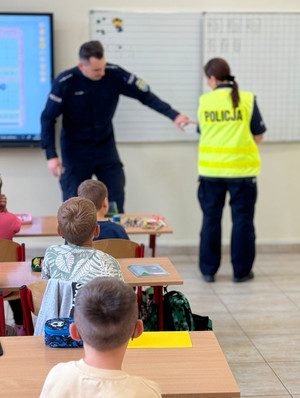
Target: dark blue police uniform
{"x":87,"y":137}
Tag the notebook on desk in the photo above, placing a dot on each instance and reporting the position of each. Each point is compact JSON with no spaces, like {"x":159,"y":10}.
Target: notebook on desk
{"x":141,"y":270}
{"x":162,"y":340}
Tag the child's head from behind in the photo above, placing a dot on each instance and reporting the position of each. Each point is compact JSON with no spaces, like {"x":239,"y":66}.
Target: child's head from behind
{"x":94,"y":190}
{"x":106,"y":313}
{"x":77,"y":220}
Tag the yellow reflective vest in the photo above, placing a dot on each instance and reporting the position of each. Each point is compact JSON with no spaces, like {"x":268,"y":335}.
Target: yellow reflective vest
{"x":226,"y":146}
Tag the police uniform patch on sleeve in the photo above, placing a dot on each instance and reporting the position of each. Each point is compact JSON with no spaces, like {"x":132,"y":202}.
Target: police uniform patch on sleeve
{"x":142,"y":85}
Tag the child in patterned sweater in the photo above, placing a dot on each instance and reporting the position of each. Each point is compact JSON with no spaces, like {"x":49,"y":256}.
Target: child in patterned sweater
{"x":78,"y":261}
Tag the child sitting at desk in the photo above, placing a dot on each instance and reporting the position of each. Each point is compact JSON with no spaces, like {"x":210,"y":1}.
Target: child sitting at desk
{"x":78,"y":261}
{"x":10,"y":224}
{"x":97,"y":192}
{"x":106,"y":317}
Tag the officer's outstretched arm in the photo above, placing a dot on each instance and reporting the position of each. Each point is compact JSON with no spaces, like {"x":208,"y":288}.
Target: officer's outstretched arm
{"x":55,"y":167}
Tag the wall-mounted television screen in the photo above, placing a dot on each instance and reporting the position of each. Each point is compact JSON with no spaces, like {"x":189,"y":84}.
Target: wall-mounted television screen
{"x":26,"y":72}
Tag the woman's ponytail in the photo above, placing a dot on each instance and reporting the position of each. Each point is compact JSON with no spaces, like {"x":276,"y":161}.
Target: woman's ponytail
{"x":234,"y":92}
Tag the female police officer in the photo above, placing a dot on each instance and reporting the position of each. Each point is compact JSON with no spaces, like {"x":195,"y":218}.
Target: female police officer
{"x":230,"y":127}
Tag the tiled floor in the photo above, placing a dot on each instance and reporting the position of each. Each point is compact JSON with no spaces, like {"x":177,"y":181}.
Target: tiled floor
{"x":257,"y":323}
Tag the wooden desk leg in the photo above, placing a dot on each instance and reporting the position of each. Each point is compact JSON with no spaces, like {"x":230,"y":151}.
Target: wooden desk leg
{"x":152,"y":244}
{"x":158,"y":298}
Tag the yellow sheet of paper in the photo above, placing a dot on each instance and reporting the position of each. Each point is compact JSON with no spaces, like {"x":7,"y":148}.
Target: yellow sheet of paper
{"x":161,"y":340}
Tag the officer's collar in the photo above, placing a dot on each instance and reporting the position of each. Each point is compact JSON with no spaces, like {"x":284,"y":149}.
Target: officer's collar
{"x":224,"y":86}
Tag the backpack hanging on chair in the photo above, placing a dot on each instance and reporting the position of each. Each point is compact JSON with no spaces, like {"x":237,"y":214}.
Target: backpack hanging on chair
{"x":178,"y":314}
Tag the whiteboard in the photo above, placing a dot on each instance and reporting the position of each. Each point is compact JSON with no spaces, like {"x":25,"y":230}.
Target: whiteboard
{"x":164,"y":49}
{"x":263,"y":51}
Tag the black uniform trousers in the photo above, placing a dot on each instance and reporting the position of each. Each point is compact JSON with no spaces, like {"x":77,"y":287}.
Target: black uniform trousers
{"x":212,"y":194}
{"x":83,"y":160}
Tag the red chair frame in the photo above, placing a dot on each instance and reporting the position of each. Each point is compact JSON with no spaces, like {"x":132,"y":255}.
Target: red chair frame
{"x":20,"y":256}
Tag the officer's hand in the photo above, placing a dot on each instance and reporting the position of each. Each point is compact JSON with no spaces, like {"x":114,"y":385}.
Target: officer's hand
{"x":55,"y":167}
{"x":3,"y":203}
{"x":182,"y":121}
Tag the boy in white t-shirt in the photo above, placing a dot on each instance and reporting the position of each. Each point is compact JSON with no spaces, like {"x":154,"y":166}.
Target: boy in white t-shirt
{"x":106,"y":317}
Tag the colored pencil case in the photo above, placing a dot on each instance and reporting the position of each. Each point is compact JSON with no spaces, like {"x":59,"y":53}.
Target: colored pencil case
{"x":36,"y":264}
{"x":25,"y":218}
{"x":57,"y":333}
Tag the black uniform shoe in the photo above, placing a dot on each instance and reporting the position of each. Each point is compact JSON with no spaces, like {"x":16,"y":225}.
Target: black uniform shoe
{"x":208,"y":278}
{"x":244,"y":278}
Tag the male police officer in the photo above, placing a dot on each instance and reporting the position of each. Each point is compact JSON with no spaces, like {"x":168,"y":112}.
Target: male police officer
{"x":87,"y":97}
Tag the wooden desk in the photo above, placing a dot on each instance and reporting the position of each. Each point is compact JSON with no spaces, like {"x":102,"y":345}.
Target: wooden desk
{"x":200,"y":371}
{"x":15,"y":274}
{"x":153,"y":233}
{"x":164,"y":280}
{"x":41,"y":226}
{"x":47,"y":226}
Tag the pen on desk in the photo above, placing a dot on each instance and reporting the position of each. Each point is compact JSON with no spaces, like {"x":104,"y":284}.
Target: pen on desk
{"x":1,"y":350}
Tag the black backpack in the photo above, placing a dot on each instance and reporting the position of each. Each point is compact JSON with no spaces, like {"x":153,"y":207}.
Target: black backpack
{"x":176,"y":310}
{"x":178,"y":314}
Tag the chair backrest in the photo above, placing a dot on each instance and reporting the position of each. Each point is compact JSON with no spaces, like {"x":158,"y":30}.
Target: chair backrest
{"x":37,"y":293}
{"x":31,"y":300}
{"x":11,"y":251}
{"x":119,"y":248}
{"x":47,"y":299}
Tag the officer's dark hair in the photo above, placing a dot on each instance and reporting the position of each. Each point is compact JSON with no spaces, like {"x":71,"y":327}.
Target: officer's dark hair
{"x":220,"y":69}
{"x":91,"y":48}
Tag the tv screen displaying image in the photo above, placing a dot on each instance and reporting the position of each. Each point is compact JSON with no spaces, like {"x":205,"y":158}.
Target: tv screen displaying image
{"x":26,"y":73}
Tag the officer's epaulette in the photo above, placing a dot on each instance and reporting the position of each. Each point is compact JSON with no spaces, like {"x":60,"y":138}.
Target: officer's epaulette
{"x":111,"y":66}
{"x":64,"y":78}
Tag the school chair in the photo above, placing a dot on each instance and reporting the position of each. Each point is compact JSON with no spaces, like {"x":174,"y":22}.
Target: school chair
{"x":47,"y":299}
{"x":120,"y":248}
{"x":9,"y":251}
{"x":31,"y":300}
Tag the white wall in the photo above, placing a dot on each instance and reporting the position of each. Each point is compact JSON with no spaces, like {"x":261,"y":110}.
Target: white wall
{"x":161,"y":178}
